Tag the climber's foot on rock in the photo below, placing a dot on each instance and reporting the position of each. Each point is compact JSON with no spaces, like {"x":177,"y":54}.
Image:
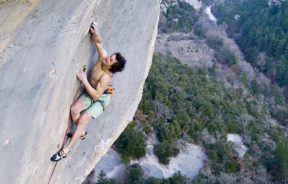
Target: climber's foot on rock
{"x":69,"y":134}
{"x":82,"y":137}
{"x":62,"y":153}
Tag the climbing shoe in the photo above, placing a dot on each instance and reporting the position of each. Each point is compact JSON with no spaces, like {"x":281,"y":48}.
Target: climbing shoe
{"x":82,"y":137}
{"x":58,"y":156}
{"x":69,"y":134}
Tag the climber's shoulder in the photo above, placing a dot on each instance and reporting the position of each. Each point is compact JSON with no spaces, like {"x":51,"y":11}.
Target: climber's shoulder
{"x":106,"y":78}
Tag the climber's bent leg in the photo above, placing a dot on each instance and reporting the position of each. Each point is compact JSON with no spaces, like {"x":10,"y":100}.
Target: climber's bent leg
{"x":94,"y":110}
{"x":81,"y":124}
{"x":82,"y":103}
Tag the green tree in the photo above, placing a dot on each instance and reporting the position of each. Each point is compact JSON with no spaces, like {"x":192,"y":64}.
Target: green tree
{"x":102,"y":179}
{"x":152,"y":180}
{"x":131,"y":143}
{"x":164,"y":151}
{"x":282,"y":159}
{"x":177,"y":178}
{"x":134,"y":174}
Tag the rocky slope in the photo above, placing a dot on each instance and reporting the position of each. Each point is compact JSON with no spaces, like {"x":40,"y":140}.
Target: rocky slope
{"x":42,"y":46}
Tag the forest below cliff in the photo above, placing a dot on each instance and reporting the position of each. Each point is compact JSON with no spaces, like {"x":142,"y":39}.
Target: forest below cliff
{"x":181,"y":103}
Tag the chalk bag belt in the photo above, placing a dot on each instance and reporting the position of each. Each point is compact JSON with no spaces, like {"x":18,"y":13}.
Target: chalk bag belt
{"x":102,"y":104}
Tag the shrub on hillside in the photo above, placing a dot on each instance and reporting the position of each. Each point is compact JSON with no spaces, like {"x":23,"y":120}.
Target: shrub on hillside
{"x":164,"y":151}
{"x":134,"y":174}
{"x":131,"y":143}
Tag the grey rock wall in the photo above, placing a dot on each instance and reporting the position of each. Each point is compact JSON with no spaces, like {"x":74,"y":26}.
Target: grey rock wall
{"x":42,"y":46}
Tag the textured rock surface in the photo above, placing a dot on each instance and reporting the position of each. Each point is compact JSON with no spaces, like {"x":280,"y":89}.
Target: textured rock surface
{"x":41,"y":49}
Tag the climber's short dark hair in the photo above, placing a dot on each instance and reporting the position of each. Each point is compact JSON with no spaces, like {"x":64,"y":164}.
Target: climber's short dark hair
{"x":119,"y":65}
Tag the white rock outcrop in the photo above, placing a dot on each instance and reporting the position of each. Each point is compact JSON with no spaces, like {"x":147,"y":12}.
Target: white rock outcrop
{"x":42,"y":46}
{"x":188,"y":162}
{"x":238,"y":144}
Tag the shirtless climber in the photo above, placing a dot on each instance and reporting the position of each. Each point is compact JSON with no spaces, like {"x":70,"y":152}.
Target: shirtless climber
{"x":96,"y":96}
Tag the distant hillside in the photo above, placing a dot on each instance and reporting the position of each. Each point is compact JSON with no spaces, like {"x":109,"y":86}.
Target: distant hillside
{"x":261,"y":30}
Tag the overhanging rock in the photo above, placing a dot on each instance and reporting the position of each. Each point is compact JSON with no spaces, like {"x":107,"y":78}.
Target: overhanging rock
{"x":42,"y":46}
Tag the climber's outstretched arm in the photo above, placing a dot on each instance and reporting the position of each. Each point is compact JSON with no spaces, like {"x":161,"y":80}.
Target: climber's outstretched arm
{"x":98,"y":42}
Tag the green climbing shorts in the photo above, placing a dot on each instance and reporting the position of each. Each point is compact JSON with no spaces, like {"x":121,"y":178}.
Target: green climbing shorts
{"x":97,"y":107}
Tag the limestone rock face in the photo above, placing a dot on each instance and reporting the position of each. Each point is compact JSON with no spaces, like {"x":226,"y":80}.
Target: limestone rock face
{"x":43,"y":44}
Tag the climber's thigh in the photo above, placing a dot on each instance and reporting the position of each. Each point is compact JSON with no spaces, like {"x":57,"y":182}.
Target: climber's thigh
{"x":82,"y":103}
{"x":84,"y":118}
{"x":95,"y":109}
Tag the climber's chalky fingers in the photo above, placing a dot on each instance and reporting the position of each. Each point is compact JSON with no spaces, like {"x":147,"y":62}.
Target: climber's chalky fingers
{"x":93,"y":27}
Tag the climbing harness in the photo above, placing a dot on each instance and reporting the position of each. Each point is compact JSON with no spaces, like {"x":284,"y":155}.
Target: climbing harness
{"x":109,"y":90}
